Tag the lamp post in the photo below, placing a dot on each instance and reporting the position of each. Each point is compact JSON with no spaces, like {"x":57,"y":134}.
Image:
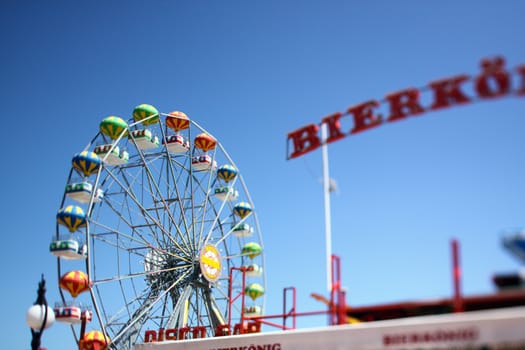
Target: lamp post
{"x":39,"y":316}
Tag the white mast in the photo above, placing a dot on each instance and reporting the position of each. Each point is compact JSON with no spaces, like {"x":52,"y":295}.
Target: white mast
{"x":327,"y":216}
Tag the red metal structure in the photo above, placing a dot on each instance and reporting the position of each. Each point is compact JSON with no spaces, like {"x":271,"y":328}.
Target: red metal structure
{"x":336,"y":310}
{"x":339,"y":313}
{"x":510,"y":295}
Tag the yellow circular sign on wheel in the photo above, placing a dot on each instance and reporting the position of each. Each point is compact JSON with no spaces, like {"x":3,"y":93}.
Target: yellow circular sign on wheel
{"x":210,"y":261}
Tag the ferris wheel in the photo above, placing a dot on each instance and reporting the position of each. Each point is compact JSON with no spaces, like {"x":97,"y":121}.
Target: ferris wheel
{"x":156,"y":231}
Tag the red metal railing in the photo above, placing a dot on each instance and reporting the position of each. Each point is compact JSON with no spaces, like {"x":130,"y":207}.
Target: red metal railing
{"x":336,"y":306}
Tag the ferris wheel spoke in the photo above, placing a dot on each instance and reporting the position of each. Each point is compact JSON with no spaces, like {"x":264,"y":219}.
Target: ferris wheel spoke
{"x":201,"y":214}
{"x":216,"y":318}
{"x":147,"y":216}
{"x":218,"y":223}
{"x":180,"y":181}
{"x":137,"y":236}
{"x":223,"y":293}
{"x":214,"y":223}
{"x":179,"y":315}
{"x":226,"y":234}
{"x":153,"y":185}
{"x":123,"y":241}
{"x":119,"y":317}
{"x":205,"y":200}
{"x":144,"y":211}
{"x":138,"y":274}
{"x":165,"y":199}
{"x":132,"y":328}
{"x":128,"y":193}
{"x":157,"y":196}
{"x":175,"y":178}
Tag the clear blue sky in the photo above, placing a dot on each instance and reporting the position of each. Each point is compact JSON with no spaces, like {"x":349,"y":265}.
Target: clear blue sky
{"x":250,"y":72}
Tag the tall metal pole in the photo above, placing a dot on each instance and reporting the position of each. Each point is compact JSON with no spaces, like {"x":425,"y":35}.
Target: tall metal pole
{"x":327,"y":216}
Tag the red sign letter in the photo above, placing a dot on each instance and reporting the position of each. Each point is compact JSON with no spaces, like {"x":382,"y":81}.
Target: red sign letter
{"x":447,"y":92}
{"x":183,"y":331}
{"x":199,"y":332}
{"x":364,"y":117}
{"x":222,"y":330}
{"x":334,"y":127}
{"x":403,"y":104}
{"x":304,"y":140}
{"x":150,"y":336}
{"x":494,"y":80}
{"x":171,"y":334}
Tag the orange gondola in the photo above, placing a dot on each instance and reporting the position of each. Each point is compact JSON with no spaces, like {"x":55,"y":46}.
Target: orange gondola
{"x":177,"y":121}
{"x":75,"y":282}
{"x":205,"y":142}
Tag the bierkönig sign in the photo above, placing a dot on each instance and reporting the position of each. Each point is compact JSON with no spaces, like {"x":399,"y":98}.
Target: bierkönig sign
{"x":494,"y":80}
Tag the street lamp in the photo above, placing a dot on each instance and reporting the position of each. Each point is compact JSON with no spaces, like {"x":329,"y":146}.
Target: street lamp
{"x":39,"y":316}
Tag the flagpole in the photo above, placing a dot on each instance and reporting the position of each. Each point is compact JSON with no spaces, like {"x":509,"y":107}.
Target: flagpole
{"x":327,"y":216}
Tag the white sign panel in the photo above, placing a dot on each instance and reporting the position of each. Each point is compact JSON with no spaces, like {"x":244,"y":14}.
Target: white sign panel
{"x":503,"y":328}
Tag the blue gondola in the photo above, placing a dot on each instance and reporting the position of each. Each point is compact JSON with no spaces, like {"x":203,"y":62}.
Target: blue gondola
{"x":86,"y":162}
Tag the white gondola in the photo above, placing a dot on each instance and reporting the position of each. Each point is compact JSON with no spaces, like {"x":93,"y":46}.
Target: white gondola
{"x":242,"y":230}
{"x":145,"y":139}
{"x":69,"y":249}
{"x":226,"y":193}
{"x":81,"y":192}
{"x":253,"y":270}
{"x":176,"y":144}
{"x":203,"y":162}
{"x":114,"y":156}
{"x":72,"y":314}
{"x":253,"y":310}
